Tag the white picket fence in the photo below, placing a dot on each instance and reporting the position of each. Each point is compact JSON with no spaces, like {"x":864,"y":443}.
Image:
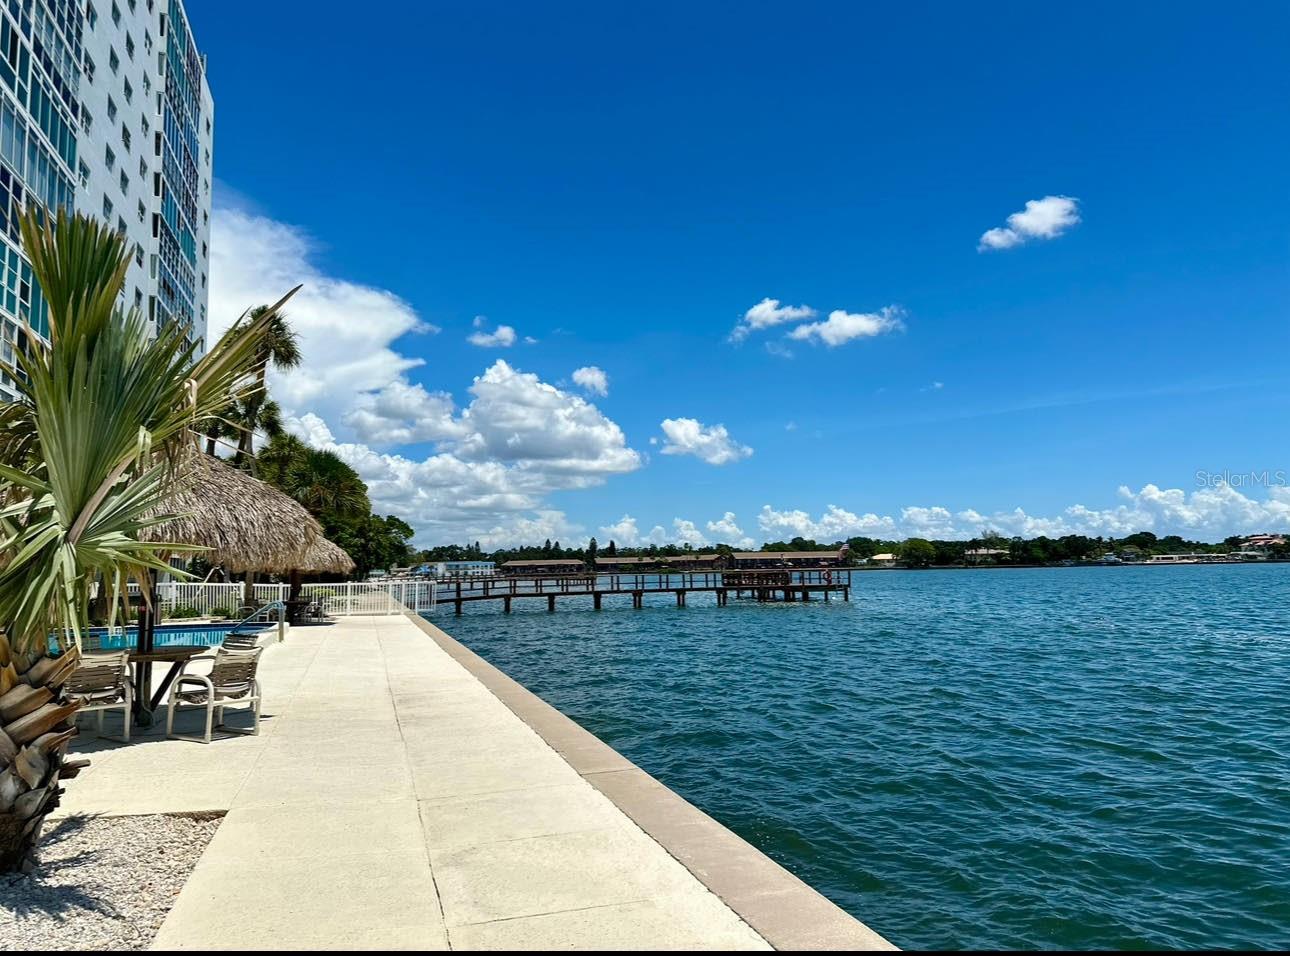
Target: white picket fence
{"x":352,"y":597}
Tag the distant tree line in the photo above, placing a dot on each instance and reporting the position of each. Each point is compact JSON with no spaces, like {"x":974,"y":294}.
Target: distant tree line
{"x":915,"y":552}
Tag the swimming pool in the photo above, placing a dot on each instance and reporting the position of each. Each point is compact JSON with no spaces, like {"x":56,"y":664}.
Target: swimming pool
{"x":165,"y":634}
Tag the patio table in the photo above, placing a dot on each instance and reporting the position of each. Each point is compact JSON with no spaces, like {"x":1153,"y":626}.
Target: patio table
{"x":177,"y":655}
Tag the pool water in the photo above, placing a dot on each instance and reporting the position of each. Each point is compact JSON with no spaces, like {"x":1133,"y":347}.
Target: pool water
{"x":165,"y":635}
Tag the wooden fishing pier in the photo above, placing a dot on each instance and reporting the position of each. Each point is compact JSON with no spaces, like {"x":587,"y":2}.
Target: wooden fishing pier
{"x":795,"y":584}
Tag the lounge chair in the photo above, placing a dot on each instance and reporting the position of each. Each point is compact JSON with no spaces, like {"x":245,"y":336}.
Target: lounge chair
{"x":241,"y":640}
{"x":102,"y":682}
{"x":230,"y":683}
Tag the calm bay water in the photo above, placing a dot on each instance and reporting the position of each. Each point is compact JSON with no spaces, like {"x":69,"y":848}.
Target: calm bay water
{"x":1064,"y":758}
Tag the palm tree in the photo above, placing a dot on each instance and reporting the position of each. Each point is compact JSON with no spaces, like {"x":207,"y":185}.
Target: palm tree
{"x":324,"y":484}
{"x":253,"y":414}
{"x":280,"y":348}
{"x":105,"y":415}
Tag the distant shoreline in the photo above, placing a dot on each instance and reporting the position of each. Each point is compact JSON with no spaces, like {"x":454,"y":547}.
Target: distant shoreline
{"x":1086,"y":564}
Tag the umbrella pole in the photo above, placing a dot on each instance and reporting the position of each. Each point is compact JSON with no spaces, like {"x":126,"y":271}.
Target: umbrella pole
{"x":147,"y":634}
{"x":293,"y":598}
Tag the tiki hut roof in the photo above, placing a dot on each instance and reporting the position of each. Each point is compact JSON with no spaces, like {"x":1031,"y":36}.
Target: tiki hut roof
{"x":325,"y":556}
{"x":247,"y":525}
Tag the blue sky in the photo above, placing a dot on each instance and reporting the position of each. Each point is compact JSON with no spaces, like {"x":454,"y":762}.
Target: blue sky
{"x":622,"y":185}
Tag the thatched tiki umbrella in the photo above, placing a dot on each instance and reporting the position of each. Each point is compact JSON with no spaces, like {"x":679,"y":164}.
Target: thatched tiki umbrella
{"x":245,"y":524}
{"x":321,"y":557}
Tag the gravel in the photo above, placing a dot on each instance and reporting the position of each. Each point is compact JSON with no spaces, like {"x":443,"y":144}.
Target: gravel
{"x":103,"y":883}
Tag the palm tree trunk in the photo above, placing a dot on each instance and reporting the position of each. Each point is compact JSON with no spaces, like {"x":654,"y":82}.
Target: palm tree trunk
{"x":38,"y":723}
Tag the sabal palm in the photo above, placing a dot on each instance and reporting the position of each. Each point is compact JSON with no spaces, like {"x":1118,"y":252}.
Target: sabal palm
{"x":105,"y":414}
{"x":322,"y":482}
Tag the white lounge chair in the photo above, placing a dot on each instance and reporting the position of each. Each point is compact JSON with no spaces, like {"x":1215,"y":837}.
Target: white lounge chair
{"x":102,"y":682}
{"x":230,"y":683}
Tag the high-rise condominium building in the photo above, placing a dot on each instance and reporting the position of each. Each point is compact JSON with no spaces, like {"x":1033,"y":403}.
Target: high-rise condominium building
{"x":105,"y":109}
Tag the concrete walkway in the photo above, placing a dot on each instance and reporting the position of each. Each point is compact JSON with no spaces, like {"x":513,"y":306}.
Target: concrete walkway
{"x":393,"y":801}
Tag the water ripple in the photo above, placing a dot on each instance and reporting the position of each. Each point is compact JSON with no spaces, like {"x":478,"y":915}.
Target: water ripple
{"x":1067,"y":758}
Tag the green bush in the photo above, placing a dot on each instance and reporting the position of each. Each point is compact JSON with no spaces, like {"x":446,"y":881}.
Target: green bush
{"x":224,"y":612}
{"x":183,"y":611}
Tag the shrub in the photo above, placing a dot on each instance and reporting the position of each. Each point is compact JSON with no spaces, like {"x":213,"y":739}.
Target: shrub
{"x":224,"y":612}
{"x":183,"y":611}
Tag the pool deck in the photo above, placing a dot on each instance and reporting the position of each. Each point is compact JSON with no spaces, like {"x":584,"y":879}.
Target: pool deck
{"x":404,"y":794}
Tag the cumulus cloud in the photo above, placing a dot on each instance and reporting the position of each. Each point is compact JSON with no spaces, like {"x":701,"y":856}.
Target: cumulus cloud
{"x":592,"y":380}
{"x":842,"y":327}
{"x":767,"y":313}
{"x":502,"y":337}
{"x":622,"y":532}
{"x":1045,"y":218}
{"x":710,"y":443}
{"x":727,"y":531}
{"x":494,"y":462}
{"x":346,"y":329}
{"x":401,"y":414}
{"x":1209,"y":513}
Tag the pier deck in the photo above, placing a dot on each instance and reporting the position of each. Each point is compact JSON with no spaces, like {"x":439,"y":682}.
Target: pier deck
{"x":795,"y":584}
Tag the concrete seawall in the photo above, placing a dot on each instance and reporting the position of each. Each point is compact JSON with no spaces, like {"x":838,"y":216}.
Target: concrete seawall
{"x":785,"y":911}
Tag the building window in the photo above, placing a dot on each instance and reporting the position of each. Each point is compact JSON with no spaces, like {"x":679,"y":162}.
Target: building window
{"x":116,"y":14}
{"x":109,"y":157}
{"x":85,"y":175}
{"x":129,"y":91}
{"x":125,"y":136}
{"x":143,"y":214}
{"x":143,"y":169}
{"x":120,"y":225}
{"x":114,"y":61}
{"x":91,"y":15}
{"x":125,"y":183}
{"x":107,"y":209}
{"x":111,"y":109}
{"x":144,"y":124}
{"x":87,"y":120}
{"x":138,"y":253}
{"x":88,"y":69}
{"x":129,"y":46}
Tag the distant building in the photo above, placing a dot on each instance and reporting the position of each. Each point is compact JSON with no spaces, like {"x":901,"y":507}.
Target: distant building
{"x":750,"y":560}
{"x":984,"y":555}
{"x":452,"y":570}
{"x":1256,"y":547}
{"x":885,"y":560}
{"x":658,"y":562}
{"x":544,"y":566}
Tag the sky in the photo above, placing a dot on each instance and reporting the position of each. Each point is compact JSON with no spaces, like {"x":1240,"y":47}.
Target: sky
{"x":736,"y":272}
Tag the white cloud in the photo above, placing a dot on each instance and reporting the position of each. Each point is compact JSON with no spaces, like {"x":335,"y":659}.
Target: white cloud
{"x":1045,"y":218}
{"x":767,"y":313}
{"x":710,"y":443}
{"x":592,"y":380}
{"x":686,"y":532}
{"x":1209,"y":513}
{"x":622,"y":532}
{"x":842,"y":327}
{"x":494,"y":463}
{"x":503,"y":337}
{"x":346,"y":330}
{"x":727,"y":531}
{"x":401,"y":414}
